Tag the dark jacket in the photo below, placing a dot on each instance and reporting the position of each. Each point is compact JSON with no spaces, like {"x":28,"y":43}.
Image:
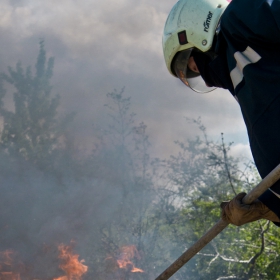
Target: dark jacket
{"x":249,"y":46}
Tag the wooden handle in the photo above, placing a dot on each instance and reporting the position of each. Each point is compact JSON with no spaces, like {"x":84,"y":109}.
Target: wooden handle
{"x":267,"y":182}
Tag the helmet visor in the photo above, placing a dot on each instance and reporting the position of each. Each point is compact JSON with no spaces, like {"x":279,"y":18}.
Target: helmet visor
{"x":187,"y":76}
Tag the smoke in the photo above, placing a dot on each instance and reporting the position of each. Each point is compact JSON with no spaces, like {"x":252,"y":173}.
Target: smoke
{"x":38,"y":211}
{"x":102,"y":46}
{"x":101,"y":186}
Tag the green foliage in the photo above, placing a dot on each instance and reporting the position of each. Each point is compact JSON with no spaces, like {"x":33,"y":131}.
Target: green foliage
{"x":204,"y":175}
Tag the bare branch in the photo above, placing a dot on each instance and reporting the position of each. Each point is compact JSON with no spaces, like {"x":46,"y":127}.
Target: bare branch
{"x":226,"y":165}
{"x":226,"y":277}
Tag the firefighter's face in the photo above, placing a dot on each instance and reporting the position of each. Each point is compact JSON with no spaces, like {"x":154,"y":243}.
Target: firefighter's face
{"x":192,"y":65}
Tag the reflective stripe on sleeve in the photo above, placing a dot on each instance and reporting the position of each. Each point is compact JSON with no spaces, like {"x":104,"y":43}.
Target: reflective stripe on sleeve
{"x":242,"y":59}
{"x":269,"y":2}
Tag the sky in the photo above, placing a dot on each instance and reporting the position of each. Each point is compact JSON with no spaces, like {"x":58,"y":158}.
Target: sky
{"x":102,"y":46}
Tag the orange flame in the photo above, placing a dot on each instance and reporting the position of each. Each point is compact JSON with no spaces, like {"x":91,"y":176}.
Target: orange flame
{"x":6,"y":263}
{"x":73,"y":268}
{"x":127,"y":253}
{"x":70,"y":263}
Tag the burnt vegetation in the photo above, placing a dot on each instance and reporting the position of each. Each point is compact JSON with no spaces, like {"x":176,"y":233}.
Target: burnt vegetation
{"x":117,"y":201}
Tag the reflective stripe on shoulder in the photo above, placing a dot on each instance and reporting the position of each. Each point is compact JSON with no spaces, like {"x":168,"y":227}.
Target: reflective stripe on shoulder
{"x":269,"y":2}
{"x":242,"y":59}
{"x":278,"y":195}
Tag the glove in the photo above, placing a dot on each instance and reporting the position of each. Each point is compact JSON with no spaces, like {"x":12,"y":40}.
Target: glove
{"x":237,"y":213}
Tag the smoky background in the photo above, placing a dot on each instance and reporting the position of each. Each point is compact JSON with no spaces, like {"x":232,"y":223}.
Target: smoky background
{"x":88,"y":156}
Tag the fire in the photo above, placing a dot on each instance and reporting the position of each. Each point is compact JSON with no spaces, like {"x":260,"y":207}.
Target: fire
{"x":127,"y":253}
{"x":69,"y":263}
{"x":73,"y":268}
{"x":6,"y":266}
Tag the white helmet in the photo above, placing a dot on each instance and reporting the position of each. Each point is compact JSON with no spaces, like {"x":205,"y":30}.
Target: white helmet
{"x":191,"y":24}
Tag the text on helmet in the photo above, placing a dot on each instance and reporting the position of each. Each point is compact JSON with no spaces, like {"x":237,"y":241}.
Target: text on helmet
{"x":208,"y":21}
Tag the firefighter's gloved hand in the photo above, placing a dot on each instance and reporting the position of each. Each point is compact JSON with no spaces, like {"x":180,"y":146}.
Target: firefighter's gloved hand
{"x":237,"y":213}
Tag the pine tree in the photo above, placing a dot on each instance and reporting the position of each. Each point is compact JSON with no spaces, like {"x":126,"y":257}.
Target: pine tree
{"x":31,"y":131}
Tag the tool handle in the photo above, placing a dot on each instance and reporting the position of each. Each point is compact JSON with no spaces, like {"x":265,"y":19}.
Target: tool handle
{"x":264,"y":184}
{"x":257,"y":191}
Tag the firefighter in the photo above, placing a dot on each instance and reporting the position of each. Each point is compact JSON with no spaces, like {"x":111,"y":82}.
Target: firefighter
{"x":234,"y":45}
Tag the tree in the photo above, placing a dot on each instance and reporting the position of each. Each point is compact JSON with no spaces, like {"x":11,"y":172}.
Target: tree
{"x":201,"y":176}
{"x":32,"y":130}
{"x":122,"y":161}
{"x":124,"y":197}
